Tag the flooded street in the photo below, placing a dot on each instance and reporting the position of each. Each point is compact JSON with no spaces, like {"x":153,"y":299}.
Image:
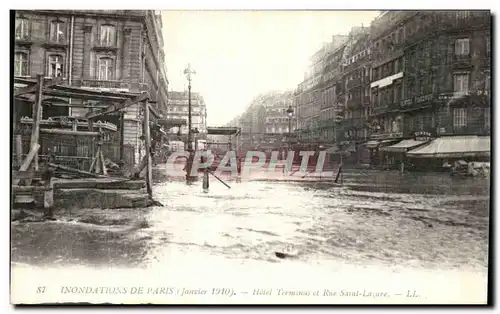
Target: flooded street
{"x":358,"y":226}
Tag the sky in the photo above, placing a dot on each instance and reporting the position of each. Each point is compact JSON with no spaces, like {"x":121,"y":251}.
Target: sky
{"x":240,"y":54}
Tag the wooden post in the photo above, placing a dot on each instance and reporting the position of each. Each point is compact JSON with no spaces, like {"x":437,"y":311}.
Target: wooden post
{"x":37,"y":113}
{"x":27,"y":162}
{"x":137,"y":170}
{"x":104,"y":170}
{"x":19,"y":150}
{"x":48,"y":199}
{"x":122,"y":135}
{"x":98,"y":161}
{"x":92,"y":140}
{"x":147,"y":141}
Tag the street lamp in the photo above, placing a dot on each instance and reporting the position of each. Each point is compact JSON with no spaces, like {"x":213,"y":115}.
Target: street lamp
{"x":289,"y":111}
{"x":188,"y":72}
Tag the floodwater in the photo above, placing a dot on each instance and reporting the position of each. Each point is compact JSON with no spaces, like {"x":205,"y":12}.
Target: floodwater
{"x":431,"y":228}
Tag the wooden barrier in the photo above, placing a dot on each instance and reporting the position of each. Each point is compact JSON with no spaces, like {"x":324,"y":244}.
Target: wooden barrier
{"x":47,"y":188}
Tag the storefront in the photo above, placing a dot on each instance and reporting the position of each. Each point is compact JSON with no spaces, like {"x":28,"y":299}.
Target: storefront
{"x":377,"y":157}
{"x":447,"y":149}
{"x":395,"y":155}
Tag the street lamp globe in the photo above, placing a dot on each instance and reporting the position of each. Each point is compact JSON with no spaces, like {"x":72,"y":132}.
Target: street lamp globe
{"x":289,"y":111}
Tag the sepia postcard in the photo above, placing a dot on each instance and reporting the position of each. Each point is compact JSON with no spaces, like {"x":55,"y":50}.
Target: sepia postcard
{"x":250,"y":157}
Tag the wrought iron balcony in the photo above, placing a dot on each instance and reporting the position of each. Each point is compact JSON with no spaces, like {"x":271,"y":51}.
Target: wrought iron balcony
{"x":386,"y":135}
{"x":353,"y":104}
{"x":114,"y":85}
{"x":356,"y":82}
{"x":461,"y":61}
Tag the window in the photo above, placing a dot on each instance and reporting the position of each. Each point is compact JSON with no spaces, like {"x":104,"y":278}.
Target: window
{"x":462,"y":47}
{"x":22,"y":28}
{"x":462,"y":14}
{"x":106,"y":69}
{"x":55,"y":66}
{"x":487,"y":118}
{"x":459,"y":117}
{"x":487,"y":45}
{"x":107,"y":35}
{"x":57,"y":32}
{"x":461,"y":83}
{"x":21,"y":64}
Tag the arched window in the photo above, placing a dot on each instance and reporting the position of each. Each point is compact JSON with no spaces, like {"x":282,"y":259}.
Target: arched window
{"x":22,"y":28}
{"x":108,"y":35}
{"x":55,"y":66}
{"x":57,"y":31}
{"x":106,"y":69}
{"x":21,"y":64}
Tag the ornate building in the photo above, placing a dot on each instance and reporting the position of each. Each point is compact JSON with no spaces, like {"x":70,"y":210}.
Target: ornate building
{"x":119,"y":50}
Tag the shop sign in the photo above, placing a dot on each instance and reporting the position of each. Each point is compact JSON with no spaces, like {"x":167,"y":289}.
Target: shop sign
{"x":422,"y":136}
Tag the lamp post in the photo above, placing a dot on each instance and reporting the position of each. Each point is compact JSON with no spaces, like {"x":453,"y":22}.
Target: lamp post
{"x":188,"y":72}
{"x":289,"y":111}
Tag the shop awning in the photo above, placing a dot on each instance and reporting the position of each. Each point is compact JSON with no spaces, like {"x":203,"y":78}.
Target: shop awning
{"x":454,"y":147}
{"x":403,"y":146}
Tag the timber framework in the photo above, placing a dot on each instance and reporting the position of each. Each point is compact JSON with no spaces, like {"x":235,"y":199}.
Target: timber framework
{"x":41,"y":92}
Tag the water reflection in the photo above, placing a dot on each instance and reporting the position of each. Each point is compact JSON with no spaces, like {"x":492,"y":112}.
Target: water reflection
{"x":365,"y":222}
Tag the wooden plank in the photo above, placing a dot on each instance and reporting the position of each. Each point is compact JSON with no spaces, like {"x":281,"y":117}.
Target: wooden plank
{"x":27,"y":161}
{"x":92,"y":140}
{"x":29,"y":174}
{"x":92,"y":165}
{"x":35,"y":88}
{"x":28,"y":189}
{"x":147,"y":140}
{"x":84,"y":96}
{"x":153,"y":111}
{"x":137,"y":171}
{"x":69,"y":132}
{"x":103,"y":164}
{"x":19,"y":149}
{"x":73,"y":170}
{"x":98,"y":160}
{"x":116,"y":107}
{"x":37,"y":116}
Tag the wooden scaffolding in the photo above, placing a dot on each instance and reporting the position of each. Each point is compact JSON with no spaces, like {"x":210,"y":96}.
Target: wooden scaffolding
{"x":105,"y":102}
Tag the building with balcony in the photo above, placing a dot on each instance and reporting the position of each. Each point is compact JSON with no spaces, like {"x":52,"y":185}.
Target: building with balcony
{"x":387,"y":34}
{"x":332,"y":107}
{"x":309,"y":93}
{"x":434,"y":76}
{"x":118,"y":50}
{"x":263,"y":119}
{"x":178,"y":109}
{"x":447,"y":61}
{"x":357,"y":77}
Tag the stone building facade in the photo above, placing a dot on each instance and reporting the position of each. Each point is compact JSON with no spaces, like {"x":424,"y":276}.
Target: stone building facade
{"x":95,"y":49}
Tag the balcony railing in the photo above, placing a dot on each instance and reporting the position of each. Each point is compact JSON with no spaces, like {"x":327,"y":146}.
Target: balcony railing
{"x":461,"y":61}
{"x":114,"y":85}
{"x":386,"y":135}
{"x":353,"y":104}
{"x":354,"y":83}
